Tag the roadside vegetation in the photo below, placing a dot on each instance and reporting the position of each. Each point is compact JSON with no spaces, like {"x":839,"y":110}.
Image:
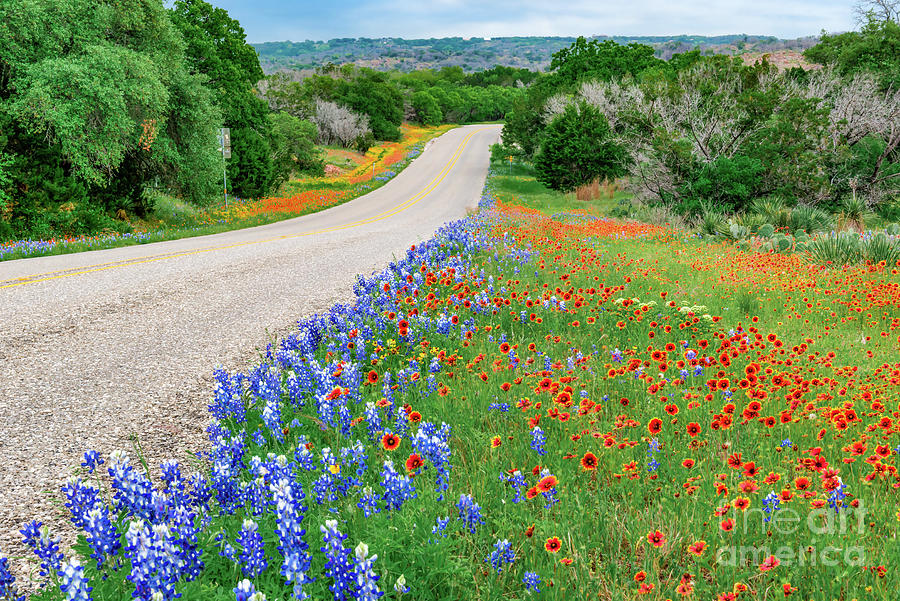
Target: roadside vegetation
{"x":172,"y":218}
{"x":538,"y":402}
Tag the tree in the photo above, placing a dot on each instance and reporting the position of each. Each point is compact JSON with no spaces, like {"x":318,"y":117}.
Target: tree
{"x":874,"y":49}
{"x":293,"y":147}
{"x":603,"y":61}
{"x":336,"y":124}
{"x":428,"y":112}
{"x":216,"y":47}
{"x":578,"y":148}
{"x":371,"y":93}
{"x":93,"y":91}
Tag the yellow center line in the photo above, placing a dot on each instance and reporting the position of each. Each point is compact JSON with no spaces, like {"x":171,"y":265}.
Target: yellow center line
{"x":153,"y":258}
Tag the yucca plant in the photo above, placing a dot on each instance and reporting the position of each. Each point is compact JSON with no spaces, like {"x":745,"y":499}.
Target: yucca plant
{"x":835,"y":249}
{"x":751,"y":221}
{"x":854,"y":213}
{"x":712,"y":223}
{"x":774,"y":209}
{"x":881,"y":248}
{"x":809,"y":219}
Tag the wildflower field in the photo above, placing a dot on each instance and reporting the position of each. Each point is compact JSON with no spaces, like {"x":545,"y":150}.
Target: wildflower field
{"x":532,"y":404}
{"x":173,"y":220}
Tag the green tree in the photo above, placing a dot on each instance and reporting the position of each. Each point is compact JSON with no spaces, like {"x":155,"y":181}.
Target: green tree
{"x":93,"y":90}
{"x":371,"y":93}
{"x":595,"y":60}
{"x":293,"y":147}
{"x":428,"y":112}
{"x":875,"y":48}
{"x":577,"y":149}
{"x":217,"y":48}
{"x":250,"y":169}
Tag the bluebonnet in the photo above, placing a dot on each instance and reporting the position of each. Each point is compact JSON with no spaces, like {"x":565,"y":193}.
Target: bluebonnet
{"x":398,"y":487}
{"x":538,"y":440}
{"x":37,"y":536}
{"x":836,"y":497}
{"x":469,"y":512}
{"x":531,"y":580}
{"x":338,"y":566}
{"x":433,"y":444}
{"x":288,"y":497}
{"x":92,"y":461}
{"x":134,"y":491}
{"x":244,"y":590}
{"x":79,"y":499}
{"x":373,"y":420}
{"x":786,"y":443}
{"x":366,"y":578}
{"x":440,"y":526}
{"x":73,"y":583}
{"x":501,"y":555}
{"x":227,"y":401}
{"x":154,"y":567}
{"x":188,"y":553}
{"x":653,"y":447}
{"x":368,"y":502}
{"x":253,"y":554}
{"x":517,"y":481}
{"x":8,"y":589}
{"x":771,"y":504}
{"x":101,"y":534}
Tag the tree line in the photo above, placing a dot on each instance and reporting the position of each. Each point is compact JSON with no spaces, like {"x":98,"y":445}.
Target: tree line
{"x":101,"y":100}
{"x":699,"y":133}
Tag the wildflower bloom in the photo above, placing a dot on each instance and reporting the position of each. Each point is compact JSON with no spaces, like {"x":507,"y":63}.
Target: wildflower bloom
{"x":553,"y":544}
{"x":414,"y":463}
{"x":656,"y":538}
{"x":697,"y":548}
{"x":589,"y":461}
{"x":390,"y":441}
{"x":547,"y":483}
{"x":769,"y":563}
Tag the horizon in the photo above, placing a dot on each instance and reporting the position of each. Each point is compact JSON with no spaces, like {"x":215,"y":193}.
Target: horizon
{"x":282,"y":20}
{"x":500,"y":37}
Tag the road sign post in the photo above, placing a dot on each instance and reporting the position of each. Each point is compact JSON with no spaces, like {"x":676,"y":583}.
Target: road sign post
{"x":225,"y":147}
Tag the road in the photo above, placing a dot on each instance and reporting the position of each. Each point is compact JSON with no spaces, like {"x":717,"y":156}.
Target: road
{"x":98,"y":347}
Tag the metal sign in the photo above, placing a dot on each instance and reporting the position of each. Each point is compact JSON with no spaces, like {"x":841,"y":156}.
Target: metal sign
{"x":225,"y":142}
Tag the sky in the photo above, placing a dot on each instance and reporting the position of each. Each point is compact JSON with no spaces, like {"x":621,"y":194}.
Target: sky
{"x":299,"y":20}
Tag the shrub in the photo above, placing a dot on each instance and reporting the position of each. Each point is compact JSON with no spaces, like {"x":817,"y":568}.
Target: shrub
{"x":578,"y":149}
{"x":810,"y":220}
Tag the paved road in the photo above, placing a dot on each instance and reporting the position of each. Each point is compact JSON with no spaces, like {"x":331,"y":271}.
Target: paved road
{"x":97,"y":346}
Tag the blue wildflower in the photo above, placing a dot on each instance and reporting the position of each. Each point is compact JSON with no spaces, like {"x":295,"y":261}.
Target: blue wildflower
{"x":253,"y":556}
{"x":532,"y":580}
{"x":501,"y":555}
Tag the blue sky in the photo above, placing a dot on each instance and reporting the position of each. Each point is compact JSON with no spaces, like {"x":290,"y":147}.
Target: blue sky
{"x":298,"y":20}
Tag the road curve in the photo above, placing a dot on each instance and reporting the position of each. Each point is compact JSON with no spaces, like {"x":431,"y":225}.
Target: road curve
{"x":97,"y":346}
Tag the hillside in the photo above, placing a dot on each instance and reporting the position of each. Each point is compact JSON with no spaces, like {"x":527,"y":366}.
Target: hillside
{"x":474,"y":54}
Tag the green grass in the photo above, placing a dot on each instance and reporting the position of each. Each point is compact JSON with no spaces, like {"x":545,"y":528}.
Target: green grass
{"x":517,"y":184}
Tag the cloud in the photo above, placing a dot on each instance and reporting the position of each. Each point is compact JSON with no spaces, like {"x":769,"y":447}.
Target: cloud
{"x":267,"y":20}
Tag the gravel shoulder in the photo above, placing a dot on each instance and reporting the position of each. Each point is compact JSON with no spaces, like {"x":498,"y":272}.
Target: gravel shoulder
{"x":103,"y":356}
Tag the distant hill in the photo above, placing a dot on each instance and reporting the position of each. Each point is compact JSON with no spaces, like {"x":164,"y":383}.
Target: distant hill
{"x":475,"y":54}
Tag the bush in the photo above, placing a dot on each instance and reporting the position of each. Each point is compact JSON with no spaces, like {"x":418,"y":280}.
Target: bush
{"x":810,"y":220}
{"x":730,"y":183}
{"x":578,"y":148}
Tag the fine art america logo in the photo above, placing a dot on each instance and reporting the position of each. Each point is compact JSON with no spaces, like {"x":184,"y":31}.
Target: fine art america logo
{"x":824,"y":537}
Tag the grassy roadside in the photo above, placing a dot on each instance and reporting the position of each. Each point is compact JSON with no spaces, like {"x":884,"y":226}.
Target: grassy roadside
{"x":173,"y":219}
